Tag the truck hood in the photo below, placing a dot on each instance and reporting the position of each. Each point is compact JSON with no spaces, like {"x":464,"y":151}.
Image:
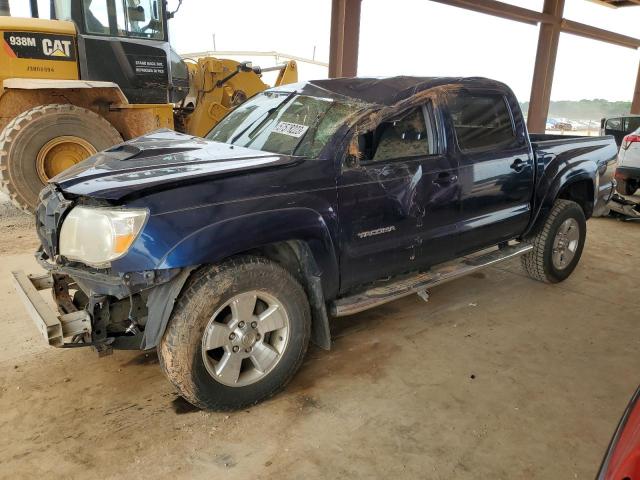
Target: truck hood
{"x":160,"y":159}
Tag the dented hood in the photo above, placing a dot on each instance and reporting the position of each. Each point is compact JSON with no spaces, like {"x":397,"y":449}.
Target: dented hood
{"x":160,"y":159}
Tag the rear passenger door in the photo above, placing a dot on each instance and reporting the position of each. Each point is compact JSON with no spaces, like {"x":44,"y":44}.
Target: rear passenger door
{"x":496,"y":168}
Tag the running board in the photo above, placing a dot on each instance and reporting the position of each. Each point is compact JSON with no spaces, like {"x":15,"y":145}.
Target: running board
{"x":418,"y":283}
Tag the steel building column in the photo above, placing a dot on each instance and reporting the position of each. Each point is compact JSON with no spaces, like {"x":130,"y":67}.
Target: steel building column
{"x":548,"y":40}
{"x":345,"y":36}
{"x":635,"y":104}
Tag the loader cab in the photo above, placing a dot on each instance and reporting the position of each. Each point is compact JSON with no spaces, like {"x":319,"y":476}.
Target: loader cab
{"x":127,"y":42}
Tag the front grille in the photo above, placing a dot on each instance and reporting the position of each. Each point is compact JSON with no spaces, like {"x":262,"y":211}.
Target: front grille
{"x":49,"y":215}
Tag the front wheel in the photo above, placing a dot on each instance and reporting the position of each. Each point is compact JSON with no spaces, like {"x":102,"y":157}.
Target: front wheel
{"x":238,"y":334}
{"x":557,"y":244}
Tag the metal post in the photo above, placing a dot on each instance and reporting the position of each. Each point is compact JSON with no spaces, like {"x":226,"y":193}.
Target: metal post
{"x":345,"y":36}
{"x":635,"y":104}
{"x":34,"y":9}
{"x":548,"y":40}
{"x":5,"y":10}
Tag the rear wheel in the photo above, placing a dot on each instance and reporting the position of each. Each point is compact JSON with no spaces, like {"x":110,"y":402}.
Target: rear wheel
{"x":557,"y":244}
{"x":238,"y":334}
{"x":42,"y":142}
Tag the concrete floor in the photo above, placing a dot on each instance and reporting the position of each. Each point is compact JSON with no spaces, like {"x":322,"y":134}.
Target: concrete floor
{"x":498,"y":376}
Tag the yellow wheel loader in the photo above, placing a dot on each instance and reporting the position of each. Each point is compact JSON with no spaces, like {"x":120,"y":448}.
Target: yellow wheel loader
{"x":97,"y":73}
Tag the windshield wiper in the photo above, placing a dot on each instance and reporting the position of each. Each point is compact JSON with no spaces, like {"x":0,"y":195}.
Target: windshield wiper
{"x":269,"y":113}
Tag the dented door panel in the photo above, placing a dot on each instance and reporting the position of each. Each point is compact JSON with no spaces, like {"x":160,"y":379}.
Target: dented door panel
{"x":396,"y":216}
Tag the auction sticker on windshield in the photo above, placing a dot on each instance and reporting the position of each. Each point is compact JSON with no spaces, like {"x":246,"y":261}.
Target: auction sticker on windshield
{"x":291,"y":129}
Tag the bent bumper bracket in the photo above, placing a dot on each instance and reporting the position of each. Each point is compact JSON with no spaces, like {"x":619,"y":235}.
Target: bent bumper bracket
{"x":53,"y":327}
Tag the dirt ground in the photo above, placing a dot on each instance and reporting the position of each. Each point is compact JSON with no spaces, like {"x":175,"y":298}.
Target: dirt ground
{"x":498,"y":376}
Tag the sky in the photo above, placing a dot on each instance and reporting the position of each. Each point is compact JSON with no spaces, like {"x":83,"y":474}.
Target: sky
{"x":418,"y":37}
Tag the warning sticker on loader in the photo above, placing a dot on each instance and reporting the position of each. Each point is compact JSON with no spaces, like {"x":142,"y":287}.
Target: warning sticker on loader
{"x":149,"y":70}
{"x":40,"y":46}
{"x":291,"y":129}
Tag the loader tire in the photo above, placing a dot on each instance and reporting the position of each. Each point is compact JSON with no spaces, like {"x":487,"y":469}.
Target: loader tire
{"x":42,"y":142}
{"x":238,"y":333}
{"x":557,"y":243}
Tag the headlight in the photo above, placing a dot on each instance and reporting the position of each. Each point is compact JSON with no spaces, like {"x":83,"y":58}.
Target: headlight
{"x":96,"y":236}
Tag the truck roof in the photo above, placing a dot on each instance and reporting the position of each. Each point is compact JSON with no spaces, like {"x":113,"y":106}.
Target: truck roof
{"x":385,"y":90}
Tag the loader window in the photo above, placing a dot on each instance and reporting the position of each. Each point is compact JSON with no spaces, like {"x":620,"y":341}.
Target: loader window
{"x":62,"y":9}
{"x":124,"y":18}
{"x":96,"y":16}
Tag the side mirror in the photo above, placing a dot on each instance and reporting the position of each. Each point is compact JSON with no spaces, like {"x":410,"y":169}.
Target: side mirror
{"x":351,"y":161}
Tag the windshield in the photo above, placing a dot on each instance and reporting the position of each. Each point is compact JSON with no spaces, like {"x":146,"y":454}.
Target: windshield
{"x":283,"y":122}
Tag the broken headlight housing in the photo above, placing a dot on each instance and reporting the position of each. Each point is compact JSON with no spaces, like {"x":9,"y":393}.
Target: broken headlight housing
{"x":96,"y":236}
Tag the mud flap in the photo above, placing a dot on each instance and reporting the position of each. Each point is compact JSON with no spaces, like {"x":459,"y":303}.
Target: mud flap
{"x":160,"y":305}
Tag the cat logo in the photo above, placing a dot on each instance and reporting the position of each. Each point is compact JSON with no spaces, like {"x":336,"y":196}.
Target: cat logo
{"x":56,"y":48}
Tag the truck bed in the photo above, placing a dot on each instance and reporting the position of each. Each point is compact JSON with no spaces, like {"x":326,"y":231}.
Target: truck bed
{"x":590,"y":156}
{"x":552,"y":140}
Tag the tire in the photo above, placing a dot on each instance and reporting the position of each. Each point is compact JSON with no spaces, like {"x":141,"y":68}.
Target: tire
{"x":23,"y":139}
{"x":203,"y":308}
{"x":540,"y":263}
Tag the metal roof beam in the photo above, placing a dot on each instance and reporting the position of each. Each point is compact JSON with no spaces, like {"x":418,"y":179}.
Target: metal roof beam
{"x":594,"y":33}
{"x":531,"y":17}
{"x":501,"y":9}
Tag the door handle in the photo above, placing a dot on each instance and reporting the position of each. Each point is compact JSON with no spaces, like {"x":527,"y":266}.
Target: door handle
{"x":445,"y":178}
{"x":518,"y":165}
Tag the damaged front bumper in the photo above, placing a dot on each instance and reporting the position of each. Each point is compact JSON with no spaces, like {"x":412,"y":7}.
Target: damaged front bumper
{"x":101,"y":309}
{"x":53,"y":327}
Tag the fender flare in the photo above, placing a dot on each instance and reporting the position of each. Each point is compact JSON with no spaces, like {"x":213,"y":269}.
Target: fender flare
{"x":217,"y":241}
{"x":308,"y":237}
{"x":555,"y":185}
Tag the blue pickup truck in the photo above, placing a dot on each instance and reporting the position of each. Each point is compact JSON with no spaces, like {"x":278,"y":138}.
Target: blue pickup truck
{"x":230,"y":253}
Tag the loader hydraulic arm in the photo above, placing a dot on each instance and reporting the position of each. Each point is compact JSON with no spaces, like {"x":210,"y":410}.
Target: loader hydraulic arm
{"x":219,"y":85}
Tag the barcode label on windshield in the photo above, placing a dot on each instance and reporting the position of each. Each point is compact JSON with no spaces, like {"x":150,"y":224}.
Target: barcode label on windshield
{"x":291,"y":129}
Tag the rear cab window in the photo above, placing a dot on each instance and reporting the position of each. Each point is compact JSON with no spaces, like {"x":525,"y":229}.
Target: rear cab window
{"x":481,"y":121}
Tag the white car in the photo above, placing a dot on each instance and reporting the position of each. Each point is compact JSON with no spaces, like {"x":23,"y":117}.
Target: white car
{"x":628,"y":170}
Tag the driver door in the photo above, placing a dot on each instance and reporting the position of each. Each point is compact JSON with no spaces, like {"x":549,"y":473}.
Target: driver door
{"x":398,"y":206}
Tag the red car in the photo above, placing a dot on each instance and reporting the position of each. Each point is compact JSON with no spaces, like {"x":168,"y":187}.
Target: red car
{"x":622,"y":461}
